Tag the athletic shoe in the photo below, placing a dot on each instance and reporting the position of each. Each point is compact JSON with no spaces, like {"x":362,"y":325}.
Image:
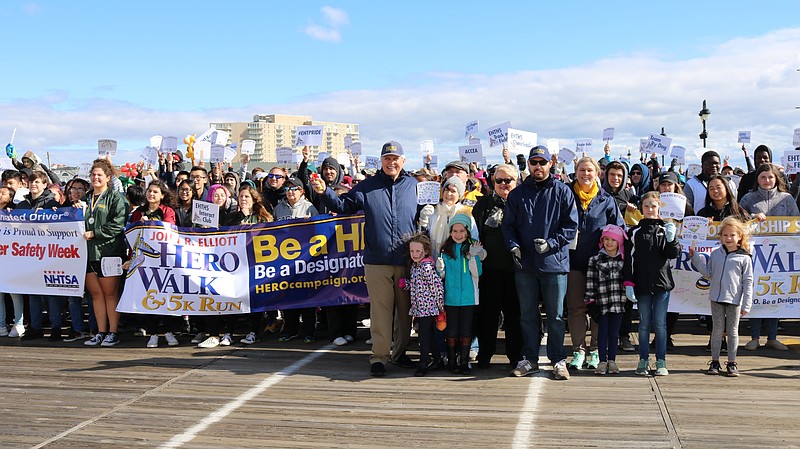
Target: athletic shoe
{"x":713,"y":368}
{"x":369,"y":341}
{"x":422,"y":369}
{"x":577,"y":360}
{"x":404,"y":361}
{"x":171,"y":340}
{"x":661,"y":368}
{"x":32,"y":334}
{"x":349,"y":338}
{"x":340,"y":341}
{"x":55,"y":335}
{"x":309,"y":339}
{"x":110,"y":340}
{"x":153,"y":341}
{"x":377,"y":369}
{"x":731,"y":369}
{"x":249,"y":339}
{"x":777,"y":345}
{"x":199,"y":337}
{"x":752,"y":345}
{"x":626,"y":345}
{"x":226,"y":340}
{"x":594,"y":360}
{"x":75,"y":336}
{"x":560,"y":371}
{"x":642,"y":368}
{"x":602,"y":368}
{"x":210,"y":342}
{"x":17,"y":330}
{"x":96,"y":340}
{"x":525,"y":367}
{"x":3,"y":331}
{"x":288,"y":337}
{"x":141,"y":332}
{"x":612,"y":367}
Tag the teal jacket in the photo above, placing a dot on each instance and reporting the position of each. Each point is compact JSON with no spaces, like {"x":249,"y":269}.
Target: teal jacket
{"x":107,"y":220}
{"x":461,"y":278}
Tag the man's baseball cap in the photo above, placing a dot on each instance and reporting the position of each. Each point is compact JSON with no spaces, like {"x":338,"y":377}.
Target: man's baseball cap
{"x":539,"y":151}
{"x":392,"y":148}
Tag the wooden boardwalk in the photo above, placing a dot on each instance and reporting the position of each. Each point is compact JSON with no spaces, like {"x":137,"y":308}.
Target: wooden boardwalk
{"x":280,"y":395}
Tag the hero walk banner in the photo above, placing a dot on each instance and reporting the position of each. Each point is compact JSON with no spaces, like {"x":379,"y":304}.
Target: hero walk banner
{"x":242,"y":269}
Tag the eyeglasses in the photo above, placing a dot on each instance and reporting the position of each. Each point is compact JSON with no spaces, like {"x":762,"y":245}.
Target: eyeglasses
{"x":275,"y":176}
{"x":503,"y":180}
{"x":540,"y":162}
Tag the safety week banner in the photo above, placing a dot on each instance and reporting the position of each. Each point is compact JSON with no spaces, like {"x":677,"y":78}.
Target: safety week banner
{"x":242,"y":269}
{"x":775,"y":248}
{"x":42,"y":252}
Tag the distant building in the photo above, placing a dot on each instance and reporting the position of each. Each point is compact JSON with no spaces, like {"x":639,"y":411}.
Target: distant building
{"x":274,"y":131}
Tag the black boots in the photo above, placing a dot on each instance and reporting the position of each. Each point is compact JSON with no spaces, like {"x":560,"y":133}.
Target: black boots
{"x":464,"y":360}
{"x":452,"y":358}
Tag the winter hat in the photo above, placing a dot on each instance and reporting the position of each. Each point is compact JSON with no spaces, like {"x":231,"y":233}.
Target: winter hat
{"x":617,"y":233}
{"x":463,"y":219}
{"x":457,"y":182}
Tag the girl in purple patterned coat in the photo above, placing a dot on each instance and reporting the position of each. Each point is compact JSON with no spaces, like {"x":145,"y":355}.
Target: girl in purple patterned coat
{"x":427,"y":295}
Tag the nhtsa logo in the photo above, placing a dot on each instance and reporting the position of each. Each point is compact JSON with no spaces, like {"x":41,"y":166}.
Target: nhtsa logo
{"x":60,"y":279}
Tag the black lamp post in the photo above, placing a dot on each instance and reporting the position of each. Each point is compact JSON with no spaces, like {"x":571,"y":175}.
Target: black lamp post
{"x":704,"y":113}
{"x":663,"y":133}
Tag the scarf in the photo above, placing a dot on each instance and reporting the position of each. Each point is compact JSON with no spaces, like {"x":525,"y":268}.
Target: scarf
{"x":495,"y":217}
{"x":585,"y":197}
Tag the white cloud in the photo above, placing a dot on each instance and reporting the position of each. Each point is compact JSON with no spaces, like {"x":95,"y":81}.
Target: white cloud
{"x":324,"y":34}
{"x":334,"y":18}
{"x":750,"y":84}
{"x":31,"y":9}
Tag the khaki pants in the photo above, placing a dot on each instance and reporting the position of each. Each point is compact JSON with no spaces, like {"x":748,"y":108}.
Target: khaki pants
{"x":390,"y":323}
{"x":576,"y":312}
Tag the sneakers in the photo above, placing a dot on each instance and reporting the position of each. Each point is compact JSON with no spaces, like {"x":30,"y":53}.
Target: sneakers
{"x":626,"y":345}
{"x":642,"y":367}
{"x":110,"y":340}
{"x":309,"y":339}
{"x":288,"y":337}
{"x":577,"y":360}
{"x":661,"y":368}
{"x":349,"y":338}
{"x":404,"y":361}
{"x":560,"y":371}
{"x":713,"y":368}
{"x":731,"y":369}
{"x":369,"y":341}
{"x":17,"y":330}
{"x":340,"y":341}
{"x":594,"y":360}
{"x":55,"y":335}
{"x":210,"y":342}
{"x":153,"y":341}
{"x":422,"y":369}
{"x":95,"y":340}
{"x":612,"y":367}
{"x":171,"y":340}
{"x":199,"y":337}
{"x":752,"y":345}
{"x":249,"y":339}
{"x":75,"y":336}
{"x":777,"y":345}
{"x":226,"y":340}
{"x":525,"y":367}
{"x":377,"y":369}
{"x":601,"y":369}
{"x":3,"y":331}
{"x":32,"y":334}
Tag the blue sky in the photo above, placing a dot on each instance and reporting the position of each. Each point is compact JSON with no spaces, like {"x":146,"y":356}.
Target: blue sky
{"x":405,"y":70}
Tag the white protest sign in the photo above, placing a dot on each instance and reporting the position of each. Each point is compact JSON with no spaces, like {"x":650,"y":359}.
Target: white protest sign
{"x":149,"y":155}
{"x":321,"y":156}
{"x":643,"y":145}
{"x":297,"y":158}
{"x":284,"y":155}
{"x":693,"y":170}
{"x":355,"y":149}
{"x":248,"y":146}
{"x":107,"y":146}
{"x":791,"y":162}
{"x":426,"y":147}
{"x":343,"y":159}
{"x":673,"y":205}
{"x":202,"y":150}
{"x":521,"y":141}
{"x":796,"y":138}
{"x":309,"y":136}
{"x":658,"y":144}
{"x":169,"y":144}
{"x":348,"y":141}
{"x":744,"y":136}
{"x":470,"y":153}
{"x":205,"y":214}
{"x":608,"y":134}
{"x":471,"y":129}
{"x":372,"y":162}
{"x":583,"y":147}
{"x":474,"y":141}
{"x":217,"y":153}
{"x":678,"y":152}
{"x":695,"y":228}
{"x":434,"y":163}
{"x":111,"y":266}
{"x":735,"y":179}
{"x":498,"y":134}
{"x":219,"y":138}
{"x":84,"y":169}
{"x":428,"y":192}
{"x":155,"y":141}
{"x":230,"y":153}
{"x":566,"y":155}
{"x":205,"y":137}
{"x":552,"y":146}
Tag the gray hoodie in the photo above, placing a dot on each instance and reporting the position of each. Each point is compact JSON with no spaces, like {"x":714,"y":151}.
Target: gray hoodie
{"x":301,"y":209}
{"x":731,"y":276}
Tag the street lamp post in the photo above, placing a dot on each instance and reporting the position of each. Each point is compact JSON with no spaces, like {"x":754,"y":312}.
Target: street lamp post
{"x":704,"y":113}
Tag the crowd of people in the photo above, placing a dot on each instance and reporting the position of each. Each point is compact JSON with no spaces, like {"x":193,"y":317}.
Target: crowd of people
{"x":507,"y":243}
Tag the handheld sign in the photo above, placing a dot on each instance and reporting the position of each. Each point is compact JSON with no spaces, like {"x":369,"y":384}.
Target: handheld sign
{"x":284,"y":155}
{"x":796,"y":138}
{"x":552,"y":146}
{"x":155,"y":141}
{"x":111,"y":266}
{"x":695,"y":228}
{"x":474,"y":141}
{"x":678,"y":152}
{"x":309,"y":136}
{"x":355,"y":149}
{"x":426,"y":147}
{"x":471,"y":129}
{"x":435,"y":163}
{"x":372,"y":162}
{"x":217,"y":153}
{"x":583,"y":147}
{"x":470,"y":153}
{"x":658,"y":144}
{"x":206,"y":136}
{"x":321,"y":156}
{"x":643,"y":145}
{"x":107,"y":147}
{"x":84,"y":170}
{"x":791,"y":162}
{"x":428,"y":192}
{"x":202,"y":149}
{"x":498,"y":134}
{"x":248,"y":146}
{"x":693,"y":170}
{"x":608,"y":134}
{"x":348,"y":141}
{"x":205,"y":214}
{"x":521,"y":141}
{"x":744,"y":136}
{"x":149,"y":155}
{"x":673,"y":205}
{"x":230,"y":153}
{"x":343,"y":159}
{"x":566,"y":155}
{"x":219,"y":137}
{"x":169,"y":144}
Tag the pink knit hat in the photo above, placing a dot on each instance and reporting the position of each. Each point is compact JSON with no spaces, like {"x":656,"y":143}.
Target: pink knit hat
{"x":617,"y":233}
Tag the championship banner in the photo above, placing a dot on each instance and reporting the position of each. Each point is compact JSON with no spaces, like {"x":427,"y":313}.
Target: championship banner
{"x":775,"y":248}
{"x":43,"y":252}
{"x":241,"y":269}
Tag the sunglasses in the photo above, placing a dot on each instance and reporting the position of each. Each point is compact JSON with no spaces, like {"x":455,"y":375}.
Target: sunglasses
{"x":292,"y":188}
{"x":540,"y":162}
{"x":274,"y":176}
{"x":635,"y":173}
{"x":503,"y":180}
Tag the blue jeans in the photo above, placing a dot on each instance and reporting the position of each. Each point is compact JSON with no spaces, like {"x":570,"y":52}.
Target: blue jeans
{"x":54,"y":306}
{"x":607,"y":333}
{"x":549,"y":289}
{"x":771,"y":325}
{"x":76,"y":313}
{"x":653,"y":311}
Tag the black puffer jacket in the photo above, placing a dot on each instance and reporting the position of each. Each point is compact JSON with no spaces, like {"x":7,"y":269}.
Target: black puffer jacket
{"x":647,"y":258}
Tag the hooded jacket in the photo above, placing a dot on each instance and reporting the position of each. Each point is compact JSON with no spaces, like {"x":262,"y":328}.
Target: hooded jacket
{"x":623,"y":195}
{"x":647,"y":258}
{"x":47,"y":200}
{"x":602,"y":210}
{"x":646,"y":184}
{"x":37,"y":166}
{"x":301,"y":209}
{"x":302,"y":175}
{"x":731,"y":275}
{"x":770,"y":202}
